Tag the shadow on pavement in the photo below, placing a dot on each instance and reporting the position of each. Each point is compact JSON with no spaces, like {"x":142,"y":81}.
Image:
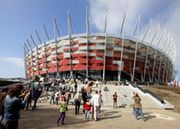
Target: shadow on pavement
{"x":46,"y":118}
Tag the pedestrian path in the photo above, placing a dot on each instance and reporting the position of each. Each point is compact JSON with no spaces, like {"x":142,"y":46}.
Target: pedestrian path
{"x":124,"y":96}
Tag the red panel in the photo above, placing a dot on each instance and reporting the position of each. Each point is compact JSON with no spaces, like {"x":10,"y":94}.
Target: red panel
{"x":81,"y":60}
{"x":51,"y":64}
{"x":64,"y":62}
{"x":99,"y":54}
{"x":42,"y":72}
{"x":96,"y":67}
{"x":53,"y":69}
{"x":78,"y":55}
{"x":79,"y":67}
{"x":92,"y":44}
{"x":42,"y":60}
{"x":64,"y":68}
{"x":96,"y":61}
{"x":82,"y":44}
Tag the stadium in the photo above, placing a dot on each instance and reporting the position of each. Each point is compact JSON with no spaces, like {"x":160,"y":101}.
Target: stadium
{"x":101,"y":56}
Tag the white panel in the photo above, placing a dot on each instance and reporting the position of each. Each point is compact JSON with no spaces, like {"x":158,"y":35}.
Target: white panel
{"x":92,"y":54}
{"x":60,"y":49}
{"x":128,"y":51}
{"x":99,"y":58}
{"x":109,"y":53}
{"x":117,"y":48}
{"x":52,"y":45}
{"x":96,"y":47}
{"x":49,"y":58}
{"x":53,"y":53}
{"x":66,"y":55}
{"x":82,"y":40}
{"x":63,"y":43}
{"x":97,"y":41}
{"x":119,"y":63}
{"x":75,"y":61}
{"x":83,"y":48}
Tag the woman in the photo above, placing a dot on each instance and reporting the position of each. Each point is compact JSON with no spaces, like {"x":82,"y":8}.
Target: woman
{"x":138,"y":107}
{"x":12,"y":106}
{"x":62,"y":110}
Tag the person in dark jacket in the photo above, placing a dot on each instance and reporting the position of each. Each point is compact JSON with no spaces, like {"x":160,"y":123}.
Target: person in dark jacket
{"x":36,"y":93}
{"x":12,"y":106}
{"x":3,"y":94}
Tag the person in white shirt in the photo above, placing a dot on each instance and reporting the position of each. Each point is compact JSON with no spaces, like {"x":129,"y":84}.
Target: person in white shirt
{"x":96,"y":102}
{"x":77,"y":101}
{"x":97,"y":83}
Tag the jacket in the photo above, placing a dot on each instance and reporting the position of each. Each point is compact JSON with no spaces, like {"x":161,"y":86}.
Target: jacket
{"x":12,"y":106}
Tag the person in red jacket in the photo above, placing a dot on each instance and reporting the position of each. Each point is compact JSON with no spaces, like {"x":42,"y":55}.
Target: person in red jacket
{"x":87,"y":108}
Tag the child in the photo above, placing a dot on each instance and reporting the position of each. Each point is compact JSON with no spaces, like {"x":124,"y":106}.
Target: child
{"x":62,"y":110}
{"x":87,"y":108}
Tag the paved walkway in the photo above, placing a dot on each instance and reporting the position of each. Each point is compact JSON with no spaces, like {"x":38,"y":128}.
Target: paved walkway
{"x":46,"y":115}
{"x":121,"y":118}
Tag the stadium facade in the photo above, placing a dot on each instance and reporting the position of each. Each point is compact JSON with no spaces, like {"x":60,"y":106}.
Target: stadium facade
{"x":101,"y":56}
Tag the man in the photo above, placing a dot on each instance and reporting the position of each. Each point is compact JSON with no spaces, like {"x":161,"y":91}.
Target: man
{"x":115,"y":100}
{"x":96,"y":102}
{"x":77,"y":100}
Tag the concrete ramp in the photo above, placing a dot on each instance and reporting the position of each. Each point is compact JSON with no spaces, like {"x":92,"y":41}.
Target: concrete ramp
{"x":149,"y":99}
{"x":124,"y":96}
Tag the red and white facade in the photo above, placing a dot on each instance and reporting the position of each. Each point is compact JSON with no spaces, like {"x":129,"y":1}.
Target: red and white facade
{"x":98,"y":54}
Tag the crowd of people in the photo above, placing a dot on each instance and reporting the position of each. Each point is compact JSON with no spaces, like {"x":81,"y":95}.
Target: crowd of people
{"x":59,"y":92}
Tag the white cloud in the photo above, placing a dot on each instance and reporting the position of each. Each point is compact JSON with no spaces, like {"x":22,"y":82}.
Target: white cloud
{"x":13,"y":61}
{"x":165,"y":12}
{"x":11,"y":67}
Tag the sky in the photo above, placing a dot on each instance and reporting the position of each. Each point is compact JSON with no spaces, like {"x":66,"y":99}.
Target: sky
{"x":20,"y":18}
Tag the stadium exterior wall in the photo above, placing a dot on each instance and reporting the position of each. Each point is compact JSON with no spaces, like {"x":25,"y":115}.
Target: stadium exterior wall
{"x":97,"y":54}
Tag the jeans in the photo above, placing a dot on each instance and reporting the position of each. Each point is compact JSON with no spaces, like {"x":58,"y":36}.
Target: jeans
{"x":34,"y":106}
{"x":86,"y":115}
{"x":52,"y":99}
{"x":61,"y":116}
{"x":77,"y":106}
{"x":138,"y":112}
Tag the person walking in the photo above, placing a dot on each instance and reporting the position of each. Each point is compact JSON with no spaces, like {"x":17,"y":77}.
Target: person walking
{"x":100,"y":94}
{"x":77,"y":100}
{"x":138,"y":107}
{"x":96,"y":102}
{"x":87,"y":108}
{"x":62,"y":110}
{"x":115,"y":100}
{"x":52,"y":94}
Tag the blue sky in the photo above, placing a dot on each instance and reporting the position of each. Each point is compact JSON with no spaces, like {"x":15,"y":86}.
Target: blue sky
{"x":20,"y":18}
